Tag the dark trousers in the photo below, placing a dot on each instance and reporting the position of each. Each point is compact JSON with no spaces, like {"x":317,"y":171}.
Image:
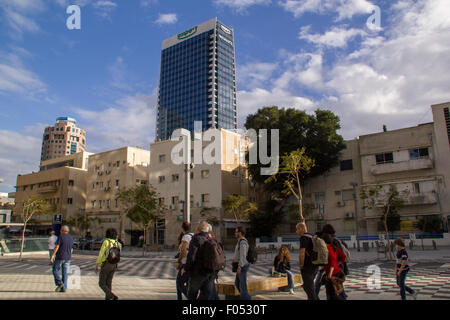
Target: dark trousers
{"x":401,"y":282}
{"x":105,"y":280}
{"x":182,"y":283}
{"x":308,"y":282}
{"x":200,"y":283}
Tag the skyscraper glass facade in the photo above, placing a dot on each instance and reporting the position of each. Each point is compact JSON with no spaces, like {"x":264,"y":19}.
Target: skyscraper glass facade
{"x":197,"y":80}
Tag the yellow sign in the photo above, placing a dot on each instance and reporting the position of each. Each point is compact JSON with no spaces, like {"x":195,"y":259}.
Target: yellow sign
{"x":409,"y":225}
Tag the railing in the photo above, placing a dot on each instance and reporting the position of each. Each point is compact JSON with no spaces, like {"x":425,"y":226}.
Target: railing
{"x":29,"y":245}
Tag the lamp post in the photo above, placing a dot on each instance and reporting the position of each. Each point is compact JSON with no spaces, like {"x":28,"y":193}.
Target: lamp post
{"x":354,"y":185}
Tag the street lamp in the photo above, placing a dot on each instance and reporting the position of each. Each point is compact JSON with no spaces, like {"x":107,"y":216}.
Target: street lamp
{"x":354,"y":185}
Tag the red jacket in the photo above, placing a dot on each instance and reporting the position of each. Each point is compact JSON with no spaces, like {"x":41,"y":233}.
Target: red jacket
{"x":335,"y":256}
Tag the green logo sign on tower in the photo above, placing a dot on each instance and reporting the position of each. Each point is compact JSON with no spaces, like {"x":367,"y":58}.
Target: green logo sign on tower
{"x":187,"y":33}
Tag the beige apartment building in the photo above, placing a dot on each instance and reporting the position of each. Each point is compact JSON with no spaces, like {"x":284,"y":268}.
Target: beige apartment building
{"x":61,"y":182}
{"x":415,"y":160}
{"x":62,"y":139}
{"x":209,"y":185}
{"x":107,"y":173}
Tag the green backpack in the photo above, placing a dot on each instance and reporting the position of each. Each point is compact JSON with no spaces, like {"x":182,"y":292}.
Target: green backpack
{"x":319,"y":255}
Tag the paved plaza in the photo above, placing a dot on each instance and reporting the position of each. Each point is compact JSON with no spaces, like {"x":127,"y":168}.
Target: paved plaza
{"x":153,"y":277}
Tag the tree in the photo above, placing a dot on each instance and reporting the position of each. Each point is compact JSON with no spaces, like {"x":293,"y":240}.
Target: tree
{"x":294,"y":167}
{"x":390,"y":201}
{"x":141,"y":206}
{"x":80,"y":222}
{"x":264,"y":222}
{"x":430,"y":224}
{"x":317,"y":133}
{"x":239,"y":206}
{"x":33,"y":206}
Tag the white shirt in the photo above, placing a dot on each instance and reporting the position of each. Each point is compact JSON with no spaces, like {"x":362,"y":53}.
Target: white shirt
{"x":52,"y":242}
{"x":187,"y":237}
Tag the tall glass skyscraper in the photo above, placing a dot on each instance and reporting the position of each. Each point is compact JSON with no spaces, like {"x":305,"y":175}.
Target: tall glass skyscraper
{"x":197,"y":80}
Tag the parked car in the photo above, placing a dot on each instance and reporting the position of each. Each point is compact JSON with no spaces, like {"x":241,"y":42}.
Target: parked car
{"x":96,"y":244}
{"x":84,"y":244}
{"x":76,"y":243}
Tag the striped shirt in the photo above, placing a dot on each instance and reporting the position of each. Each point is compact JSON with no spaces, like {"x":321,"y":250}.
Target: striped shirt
{"x":402,"y":256}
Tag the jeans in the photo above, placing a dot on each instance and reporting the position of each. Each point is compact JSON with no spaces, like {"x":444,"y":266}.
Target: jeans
{"x":241,"y":283}
{"x":308,"y":282}
{"x":57,"y":266}
{"x":182,"y":283}
{"x":50,"y":251}
{"x":105,"y":279}
{"x":200,"y":283}
{"x":213,"y":295}
{"x":318,"y":281}
{"x":401,"y":282}
{"x":289,"y":275}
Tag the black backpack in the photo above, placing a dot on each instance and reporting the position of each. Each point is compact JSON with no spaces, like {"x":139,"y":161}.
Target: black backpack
{"x":252,"y":255}
{"x":113,"y":254}
{"x":213,"y":255}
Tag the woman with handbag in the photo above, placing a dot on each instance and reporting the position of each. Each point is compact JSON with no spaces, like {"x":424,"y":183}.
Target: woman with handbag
{"x":334,"y":276}
{"x":282,"y":266}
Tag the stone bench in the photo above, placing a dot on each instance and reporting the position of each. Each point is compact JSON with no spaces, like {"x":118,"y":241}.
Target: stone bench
{"x":255,"y":284}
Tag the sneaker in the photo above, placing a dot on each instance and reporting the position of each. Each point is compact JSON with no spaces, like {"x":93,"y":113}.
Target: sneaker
{"x":291,"y":291}
{"x":59,"y":288}
{"x":414,"y":295}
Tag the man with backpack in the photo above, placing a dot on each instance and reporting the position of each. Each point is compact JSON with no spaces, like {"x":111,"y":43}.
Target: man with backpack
{"x":204,"y":257}
{"x":108,"y":258}
{"x":183,"y":276}
{"x":241,"y":264}
{"x":307,"y":268}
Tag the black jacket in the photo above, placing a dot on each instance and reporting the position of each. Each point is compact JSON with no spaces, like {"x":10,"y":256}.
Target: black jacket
{"x":194,"y":260}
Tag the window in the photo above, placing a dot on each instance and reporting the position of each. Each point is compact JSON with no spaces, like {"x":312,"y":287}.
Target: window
{"x":117,"y":164}
{"x":117,"y":184}
{"x":93,"y":204}
{"x":175,"y":200}
{"x":99,"y":204}
{"x":384,"y":158}
{"x":421,"y":153}
{"x":205,"y":197}
{"x":175,"y":177}
{"x":116,"y":203}
{"x":319,"y":197}
{"x":161,"y":179}
{"x":69,"y":200}
{"x":108,"y":203}
{"x":71,"y":183}
{"x":346,"y":165}
{"x":205,"y":174}
{"x":162,"y":158}
{"x":160,"y":201}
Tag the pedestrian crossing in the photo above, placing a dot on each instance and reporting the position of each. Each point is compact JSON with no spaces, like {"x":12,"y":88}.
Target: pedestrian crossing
{"x":431,"y":280}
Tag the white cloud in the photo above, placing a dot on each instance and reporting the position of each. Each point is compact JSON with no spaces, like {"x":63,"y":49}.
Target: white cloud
{"x":104,"y":8}
{"x":241,"y":5}
{"x":345,"y":9}
{"x":130,"y":121}
{"x":19,"y":154}
{"x":167,"y":18}
{"x":255,"y":74}
{"x":337,"y":37}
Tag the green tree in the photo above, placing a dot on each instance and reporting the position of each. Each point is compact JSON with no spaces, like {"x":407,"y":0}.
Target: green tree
{"x":390,"y":201}
{"x":80,"y":222}
{"x":264,"y":222}
{"x":317,"y":133}
{"x":33,"y":206}
{"x":141,"y":206}
{"x":431,"y":224}
{"x":239,"y":206}
{"x":294,"y":167}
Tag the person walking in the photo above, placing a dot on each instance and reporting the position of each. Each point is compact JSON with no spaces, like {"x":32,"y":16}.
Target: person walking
{"x":241,"y":265}
{"x":213,"y":292}
{"x":282,"y":265}
{"x":51,"y":244}
{"x":402,"y":269}
{"x":107,"y":268}
{"x":61,"y":258}
{"x":329,"y":229}
{"x":334,"y":276}
{"x":200,"y":278}
{"x":183,"y":276}
{"x":307,"y":268}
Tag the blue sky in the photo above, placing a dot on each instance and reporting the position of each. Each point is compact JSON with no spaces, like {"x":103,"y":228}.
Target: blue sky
{"x":305,"y":54}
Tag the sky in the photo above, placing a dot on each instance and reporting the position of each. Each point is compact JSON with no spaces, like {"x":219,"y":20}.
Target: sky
{"x":305,"y":54}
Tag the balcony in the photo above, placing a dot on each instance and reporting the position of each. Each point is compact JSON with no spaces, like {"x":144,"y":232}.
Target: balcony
{"x":47,"y":189}
{"x":410,"y":165}
{"x":421,"y":198}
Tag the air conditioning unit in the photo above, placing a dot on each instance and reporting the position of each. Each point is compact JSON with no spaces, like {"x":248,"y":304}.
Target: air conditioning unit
{"x":349,"y":215}
{"x":340,"y":204}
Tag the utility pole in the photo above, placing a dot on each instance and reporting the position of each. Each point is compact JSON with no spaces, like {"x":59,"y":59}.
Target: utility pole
{"x":187,"y":193}
{"x":354,"y":185}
